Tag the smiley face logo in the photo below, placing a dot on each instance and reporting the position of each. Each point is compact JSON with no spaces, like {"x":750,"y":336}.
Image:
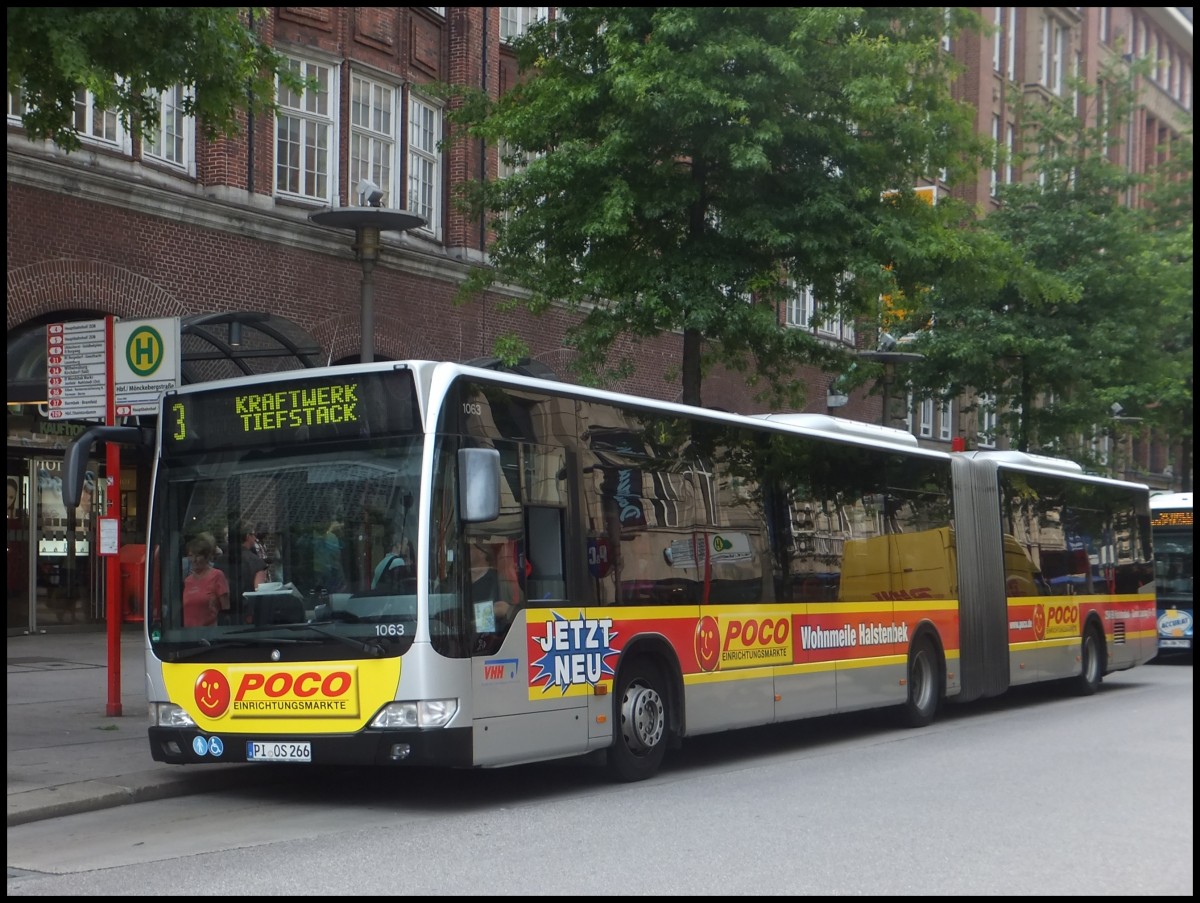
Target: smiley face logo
{"x":1039,"y":622}
{"x":708,"y":643}
{"x":212,"y":693}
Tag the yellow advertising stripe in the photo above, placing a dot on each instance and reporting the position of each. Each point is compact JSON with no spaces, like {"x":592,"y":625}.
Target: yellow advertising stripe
{"x":717,"y":677}
{"x":873,"y":662}
{"x":1057,"y":643}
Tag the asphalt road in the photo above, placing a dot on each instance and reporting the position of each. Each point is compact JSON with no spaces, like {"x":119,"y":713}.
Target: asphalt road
{"x":1037,"y":793}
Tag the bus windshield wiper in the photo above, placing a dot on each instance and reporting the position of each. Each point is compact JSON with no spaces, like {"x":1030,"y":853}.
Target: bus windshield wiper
{"x":223,"y":642}
{"x":369,"y":646}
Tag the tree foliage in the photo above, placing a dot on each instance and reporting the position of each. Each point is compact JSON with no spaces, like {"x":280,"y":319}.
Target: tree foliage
{"x":677,"y":166}
{"x":127,"y":56}
{"x":1098,"y":290}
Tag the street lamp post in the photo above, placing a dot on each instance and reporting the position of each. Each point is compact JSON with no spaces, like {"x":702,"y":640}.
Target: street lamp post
{"x":367,"y":223}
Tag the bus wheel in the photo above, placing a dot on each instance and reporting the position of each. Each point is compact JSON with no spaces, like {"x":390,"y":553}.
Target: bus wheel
{"x":641,"y":711}
{"x":1092,"y":658}
{"x":924,"y":691}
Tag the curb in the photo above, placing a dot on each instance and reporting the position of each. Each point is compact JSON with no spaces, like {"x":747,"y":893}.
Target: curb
{"x":108,"y":793}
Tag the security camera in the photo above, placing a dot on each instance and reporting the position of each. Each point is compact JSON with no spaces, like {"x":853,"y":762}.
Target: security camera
{"x":370,"y":194}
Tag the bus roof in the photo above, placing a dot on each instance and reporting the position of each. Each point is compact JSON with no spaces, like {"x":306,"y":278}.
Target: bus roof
{"x":1162,"y":501}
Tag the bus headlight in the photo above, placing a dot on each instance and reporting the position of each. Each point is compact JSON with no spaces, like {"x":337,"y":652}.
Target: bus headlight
{"x":423,"y":713}
{"x":167,"y":714}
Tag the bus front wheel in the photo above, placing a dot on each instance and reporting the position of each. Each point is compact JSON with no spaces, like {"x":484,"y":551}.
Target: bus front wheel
{"x":641,"y":729}
{"x":924,"y":684}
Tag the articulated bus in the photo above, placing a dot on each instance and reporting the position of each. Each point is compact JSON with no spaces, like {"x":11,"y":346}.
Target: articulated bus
{"x":1171,"y":526}
{"x":474,"y":568}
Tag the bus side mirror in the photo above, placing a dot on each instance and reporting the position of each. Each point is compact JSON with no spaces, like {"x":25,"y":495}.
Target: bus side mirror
{"x":478,"y":484}
{"x":76,"y":456}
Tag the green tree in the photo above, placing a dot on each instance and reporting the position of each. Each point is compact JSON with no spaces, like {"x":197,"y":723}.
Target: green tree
{"x":127,"y":57}
{"x":678,"y":166}
{"x":1167,"y":391}
{"x":1091,"y":292}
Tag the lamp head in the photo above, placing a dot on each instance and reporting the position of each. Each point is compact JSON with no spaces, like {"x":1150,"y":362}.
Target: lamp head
{"x":370,"y":194}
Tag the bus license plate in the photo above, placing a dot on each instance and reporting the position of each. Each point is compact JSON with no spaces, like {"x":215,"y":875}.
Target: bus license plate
{"x":1173,"y":644}
{"x":260,"y":751}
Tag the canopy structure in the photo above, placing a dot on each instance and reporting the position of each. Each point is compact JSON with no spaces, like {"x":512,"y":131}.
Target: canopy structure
{"x":213,"y":346}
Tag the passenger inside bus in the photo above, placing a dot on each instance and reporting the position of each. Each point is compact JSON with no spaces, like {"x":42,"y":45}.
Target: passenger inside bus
{"x":495,"y":595}
{"x":395,"y":567}
{"x":205,"y":590}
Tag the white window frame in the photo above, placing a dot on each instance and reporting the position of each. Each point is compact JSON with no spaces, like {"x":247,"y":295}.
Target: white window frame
{"x":1010,"y":147}
{"x":946,"y":420}
{"x":504,"y":169}
{"x":800,"y":307}
{"x":424,"y":195}
{"x":988,"y":420}
{"x":1054,"y":48}
{"x":994,"y":177}
{"x":16,"y":106}
{"x":312,"y":174}
{"x":925,"y":420}
{"x":85,"y":121}
{"x":997,"y":37}
{"x":515,"y":20}
{"x":1010,"y":30}
{"x":373,"y":123}
{"x":173,"y":143}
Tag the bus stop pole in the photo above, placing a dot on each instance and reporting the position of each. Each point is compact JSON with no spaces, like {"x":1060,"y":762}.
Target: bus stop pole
{"x":112,"y":565}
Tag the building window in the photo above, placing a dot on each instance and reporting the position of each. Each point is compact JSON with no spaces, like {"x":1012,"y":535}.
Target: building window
{"x":424,"y":162}
{"x":987,"y":422}
{"x":1004,"y":42}
{"x":1010,"y":150}
{"x":994,"y":178}
{"x":800,"y":307}
{"x":304,"y":135}
{"x":515,"y":20}
{"x":925,"y":423}
{"x":372,"y":136}
{"x":16,"y":106}
{"x":171,"y":140}
{"x":946,"y":420}
{"x":1054,"y":48}
{"x":96,"y":125}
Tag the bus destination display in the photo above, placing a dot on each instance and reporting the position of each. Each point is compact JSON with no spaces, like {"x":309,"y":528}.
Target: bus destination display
{"x":368,"y":404}
{"x":1172,"y":519}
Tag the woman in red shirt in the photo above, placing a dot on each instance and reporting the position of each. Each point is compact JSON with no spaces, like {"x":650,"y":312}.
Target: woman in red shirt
{"x":205,"y":590}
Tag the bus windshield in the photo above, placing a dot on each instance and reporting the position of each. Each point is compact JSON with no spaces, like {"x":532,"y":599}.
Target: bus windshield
{"x":294,"y":551}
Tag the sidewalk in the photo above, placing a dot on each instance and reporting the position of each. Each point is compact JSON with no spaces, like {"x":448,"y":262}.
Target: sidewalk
{"x":65,"y":755}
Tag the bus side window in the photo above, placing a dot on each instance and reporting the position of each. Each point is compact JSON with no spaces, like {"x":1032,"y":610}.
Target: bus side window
{"x":545,"y":577}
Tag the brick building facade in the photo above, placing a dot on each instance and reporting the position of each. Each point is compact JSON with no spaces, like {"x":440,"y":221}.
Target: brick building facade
{"x":188,"y":227}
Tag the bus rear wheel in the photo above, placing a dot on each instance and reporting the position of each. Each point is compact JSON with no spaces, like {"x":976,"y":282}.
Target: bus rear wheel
{"x":1092,"y":662}
{"x":641,"y":729}
{"x":924,"y":684}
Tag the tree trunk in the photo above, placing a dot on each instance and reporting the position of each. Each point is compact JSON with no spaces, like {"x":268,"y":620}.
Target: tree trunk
{"x":690,"y":374}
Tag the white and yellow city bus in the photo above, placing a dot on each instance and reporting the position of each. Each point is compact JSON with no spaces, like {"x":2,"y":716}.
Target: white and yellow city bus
{"x":475,"y":568}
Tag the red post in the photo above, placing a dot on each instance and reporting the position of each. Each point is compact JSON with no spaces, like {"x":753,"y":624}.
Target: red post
{"x":112,"y":563}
